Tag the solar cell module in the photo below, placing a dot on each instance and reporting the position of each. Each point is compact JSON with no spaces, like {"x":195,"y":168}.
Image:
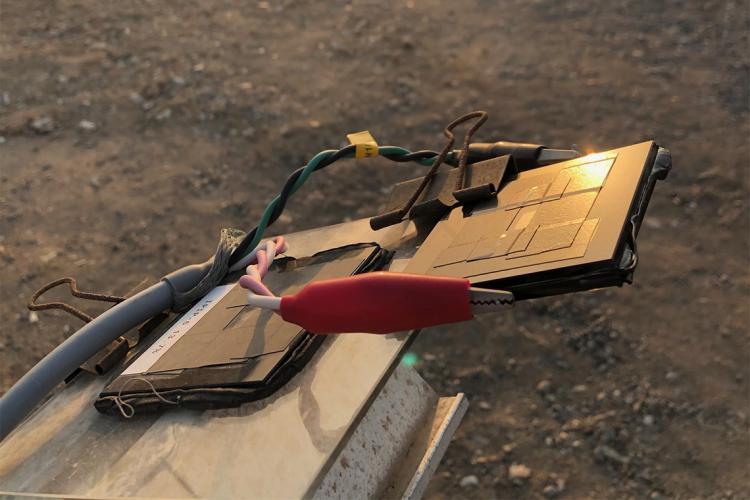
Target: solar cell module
{"x":565,"y":227}
{"x":222,"y":352}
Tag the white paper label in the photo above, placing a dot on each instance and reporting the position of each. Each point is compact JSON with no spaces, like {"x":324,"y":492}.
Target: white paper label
{"x":169,"y":338}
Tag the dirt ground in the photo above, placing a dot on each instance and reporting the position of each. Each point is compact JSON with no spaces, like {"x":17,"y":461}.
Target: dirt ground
{"x":131,"y":132}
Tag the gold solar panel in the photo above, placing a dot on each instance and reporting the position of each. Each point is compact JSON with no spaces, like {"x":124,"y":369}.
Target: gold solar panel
{"x":555,"y":218}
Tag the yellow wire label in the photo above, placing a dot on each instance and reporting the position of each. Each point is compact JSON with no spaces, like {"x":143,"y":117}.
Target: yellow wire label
{"x":366,"y":147}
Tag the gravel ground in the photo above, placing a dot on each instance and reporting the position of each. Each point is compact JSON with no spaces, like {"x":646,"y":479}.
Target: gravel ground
{"x":131,"y":132}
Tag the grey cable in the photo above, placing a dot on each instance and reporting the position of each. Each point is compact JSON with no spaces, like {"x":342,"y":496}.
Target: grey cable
{"x":177,"y":290}
{"x":34,"y":386}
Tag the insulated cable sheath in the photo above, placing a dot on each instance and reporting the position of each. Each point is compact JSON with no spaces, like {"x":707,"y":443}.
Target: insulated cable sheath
{"x":33,"y":387}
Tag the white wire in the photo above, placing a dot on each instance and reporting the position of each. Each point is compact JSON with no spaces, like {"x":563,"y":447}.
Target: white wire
{"x":270,"y":251}
{"x":258,"y":294}
{"x":246,"y":259}
{"x":263,"y":301}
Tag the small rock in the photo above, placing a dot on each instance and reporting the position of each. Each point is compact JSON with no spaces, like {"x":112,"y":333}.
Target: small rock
{"x":48,"y":256}
{"x":484,"y":405}
{"x":486,"y":459}
{"x":314,"y":123}
{"x":648,"y":420}
{"x":605,"y":453}
{"x":163,"y":114}
{"x":554,"y":490}
{"x":579,"y":388}
{"x":654,"y":223}
{"x":248,"y":132}
{"x":469,"y":481}
{"x":33,"y":317}
{"x":544,"y":387}
{"x":87,"y":125}
{"x":672,"y":376}
{"x":6,"y":255}
{"x":42,"y":125}
{"x":518,"y":473}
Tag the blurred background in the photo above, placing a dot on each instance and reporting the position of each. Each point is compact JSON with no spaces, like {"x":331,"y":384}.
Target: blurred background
{"x":131,"y":132}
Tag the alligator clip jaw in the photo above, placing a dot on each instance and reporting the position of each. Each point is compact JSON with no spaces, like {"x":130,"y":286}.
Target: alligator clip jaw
{"x":484,"y":300}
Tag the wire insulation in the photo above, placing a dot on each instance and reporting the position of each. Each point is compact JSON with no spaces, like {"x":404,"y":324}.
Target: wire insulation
{"x":264,"y":256}
{"x":31,"y":389}
{"x":321,"y":160}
